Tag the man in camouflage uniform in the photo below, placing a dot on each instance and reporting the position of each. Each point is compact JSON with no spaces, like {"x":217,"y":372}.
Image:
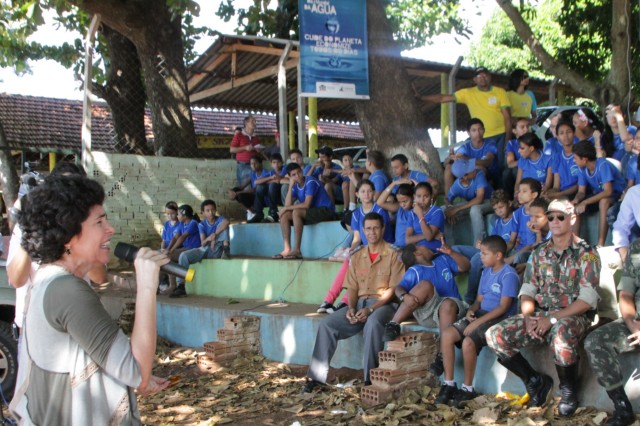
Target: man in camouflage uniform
{"x":557,"y":298}
{"x":623,"y":335}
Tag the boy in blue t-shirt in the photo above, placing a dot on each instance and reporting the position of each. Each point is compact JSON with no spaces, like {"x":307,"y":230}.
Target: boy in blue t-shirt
{"x":328,"y":173}
{"x":428,"y":290}
{"x":498,"y":291}
{"x":604,"y":181}
{"x":512,"y":155}
{"x":170,"y":228}
{"x":269,"y":188}
{"x":314,"y":206}
{"x":471,"y":185}
{"x":375,"y":165}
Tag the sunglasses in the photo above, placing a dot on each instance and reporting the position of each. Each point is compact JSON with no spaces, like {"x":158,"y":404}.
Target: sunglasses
{"x":551,"y":217}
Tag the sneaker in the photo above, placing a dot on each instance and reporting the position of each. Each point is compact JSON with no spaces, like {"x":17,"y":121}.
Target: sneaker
{"x":325,"y":307}
{"x":180,"y":291}
{"x":269,"y":219}
{"x":437,"y":367}
{"x":250,"y":215}
{"x":256,"y":218}
{"x":311,"y":385}
{"x":462,"y":395}
{"x":163,"y":288}
{"x":391,"y":331}
{"x":340,"y":306}
{"x":272,"y":218}
{"x":446,"y":394}
{"x":226,"y":253}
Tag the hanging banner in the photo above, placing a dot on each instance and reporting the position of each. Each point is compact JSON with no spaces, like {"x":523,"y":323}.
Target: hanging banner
{"x":333,"y":49}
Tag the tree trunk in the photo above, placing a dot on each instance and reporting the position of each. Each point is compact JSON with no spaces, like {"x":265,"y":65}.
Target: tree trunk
{"x":124,"y":92}
{"x":616,"y":86}
{"x":8,"y":176}
{"x":391,"y":120}
{"x":157,"y":35}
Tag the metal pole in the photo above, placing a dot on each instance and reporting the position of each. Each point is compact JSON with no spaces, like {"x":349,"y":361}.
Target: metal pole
{"x":313,"y":127}
{"x":444,"y":112}
{"x":282,"y":101}
{"x":86,"y":103}
{"x":302,"y":128}
{"x":452,"y":105}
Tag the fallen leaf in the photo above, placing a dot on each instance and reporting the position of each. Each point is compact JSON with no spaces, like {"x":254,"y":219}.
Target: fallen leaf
{"x":486,"y":415}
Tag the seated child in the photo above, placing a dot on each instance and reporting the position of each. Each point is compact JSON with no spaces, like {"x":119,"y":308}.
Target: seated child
{"x":521,"y":127}
{"x":536,"y":231}
{"x":245,"y":194}
{"x":522,"y":237}
{"x":427,"y":220}
{"x":533,"y":162}
{"x":605,"y":182}
{"x":429,"y":292}
{"x":169,"y":230}
{"x":348,"y":196}
{"x":401,"y":207}
{"x":214,"y":237}
{"x":328,"y":173}
{"x":565,"y":171}
{"x":269,"y":188}
{"x":187,"y":237}
{"x":496,"y":300}
{"x":501,"y":204}
{"x":471,"y":185}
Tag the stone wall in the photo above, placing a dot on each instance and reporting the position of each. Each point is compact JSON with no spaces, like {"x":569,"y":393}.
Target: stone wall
{"x":137,"y":188}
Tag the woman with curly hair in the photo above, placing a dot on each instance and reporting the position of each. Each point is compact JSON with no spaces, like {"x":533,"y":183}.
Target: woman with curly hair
{"x":76,"y":366}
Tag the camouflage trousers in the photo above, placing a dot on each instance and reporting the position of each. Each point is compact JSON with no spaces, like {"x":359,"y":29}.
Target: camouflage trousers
{"x":508,"y":337}
{"x":603,"y":347}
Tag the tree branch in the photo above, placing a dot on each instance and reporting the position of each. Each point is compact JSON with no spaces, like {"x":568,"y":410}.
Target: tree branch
{"x":549,"y":63}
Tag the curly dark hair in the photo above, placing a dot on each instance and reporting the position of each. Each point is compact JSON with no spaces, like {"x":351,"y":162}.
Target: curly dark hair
{"x":53,"y":213}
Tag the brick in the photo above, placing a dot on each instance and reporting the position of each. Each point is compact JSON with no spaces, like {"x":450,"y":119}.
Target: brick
{"x":243,"y":322}
{"x":224,"y":334}
{"x":371,"y":395}
{"x":412,"y":342}
{"x":219,"y":348}
{"x":394,"y":379}
{"x":401,"y":383}
{"x":206,"y":364}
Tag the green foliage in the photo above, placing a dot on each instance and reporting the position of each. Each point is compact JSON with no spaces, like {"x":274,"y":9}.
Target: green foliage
{"x":574,"y":32}
{"x":414,"y":21}
{"x":501,"y":49}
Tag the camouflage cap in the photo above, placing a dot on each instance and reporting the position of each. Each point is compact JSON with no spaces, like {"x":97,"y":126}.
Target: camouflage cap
{"x":562,"y":206}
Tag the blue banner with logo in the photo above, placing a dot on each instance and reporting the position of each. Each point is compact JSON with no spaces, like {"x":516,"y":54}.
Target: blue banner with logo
{"x":333,"y":49}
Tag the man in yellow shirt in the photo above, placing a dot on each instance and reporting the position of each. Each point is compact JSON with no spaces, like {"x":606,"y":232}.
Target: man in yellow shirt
{"x":488,"y":103}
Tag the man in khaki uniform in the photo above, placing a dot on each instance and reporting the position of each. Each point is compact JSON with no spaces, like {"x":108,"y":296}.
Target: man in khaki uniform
{"x":374,"y":271}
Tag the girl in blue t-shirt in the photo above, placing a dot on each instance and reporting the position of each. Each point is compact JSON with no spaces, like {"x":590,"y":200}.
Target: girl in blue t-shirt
{"x":565,"y":171}
{"x":616,"y":132}
{"x":427,"y":219}
{"x":401,"y":206}
{"x":533,"y":163}
{"x":170,"y":227}
{"x":365,"y":191}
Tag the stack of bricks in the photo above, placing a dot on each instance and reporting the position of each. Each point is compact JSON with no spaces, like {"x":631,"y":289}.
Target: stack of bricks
{"x":404,"y":364}
{"x":241,"y":334}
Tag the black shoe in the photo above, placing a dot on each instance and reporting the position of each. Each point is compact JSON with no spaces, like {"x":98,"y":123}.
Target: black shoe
{"x":623,"y":413}
{"x":446,"y":394}
{"x":226,"y":253}
{"x":462,"y":395}
{"x":311,"y":385}
{"x":339,"y":306}
{"x":391,"y":331}
{"x":326,"y":308}
{"x":568,"y":377}
{"x":437,"y":367}
{"x":180,"y":291}
{"x":539,"y":389}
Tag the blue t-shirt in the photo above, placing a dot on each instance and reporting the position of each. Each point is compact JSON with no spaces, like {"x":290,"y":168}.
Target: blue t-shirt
{"x":566,"y":169}
{"x":413,"y":175}
{"x":603,"y":172}
{"x":312,"y":187}
{"x":441,"y":274}
{"x":380,"y":180}
{"x":553,"y":146}
{"x":535,"y":169}
{"x":469,"y":192}
{"x":207,"y":228}
{"x":403,"y":220}
{"x":512,"y":146}
{"x":618,"y":143}
{"x":169,"y":231}
{"x":526,"y":236}
{"x":357,"y":222}
{"x":632,"y":170}
{"x":193,"y":240}
{"x":493,"y":286}
{"x":317,"y":172}
{"x":503,"y":229}
{"x":263,"y":174}
{"x":468,"y":150}
{"x":435,"y":217}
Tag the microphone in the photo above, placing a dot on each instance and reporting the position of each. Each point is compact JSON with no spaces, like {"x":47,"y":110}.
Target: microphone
{"x":128,"y":252}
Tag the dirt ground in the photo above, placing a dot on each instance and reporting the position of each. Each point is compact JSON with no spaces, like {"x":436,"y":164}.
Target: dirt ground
{"x":252,"y":390}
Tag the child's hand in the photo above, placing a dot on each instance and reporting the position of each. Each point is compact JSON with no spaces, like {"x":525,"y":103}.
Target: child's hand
{"x":418,"y":210}
{"x":471,"y":315}
{"x":478,"y":244}
{"x":444,"y":248}
{"x":581,"y":207}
